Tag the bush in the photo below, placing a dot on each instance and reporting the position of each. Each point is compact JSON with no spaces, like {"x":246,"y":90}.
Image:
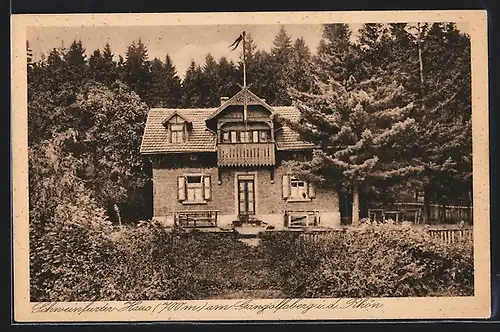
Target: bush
{"x":87,"y":262}
{"x":376,"y":261}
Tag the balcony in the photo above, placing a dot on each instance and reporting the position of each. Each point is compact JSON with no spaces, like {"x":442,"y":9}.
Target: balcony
{"x":245,"y":154}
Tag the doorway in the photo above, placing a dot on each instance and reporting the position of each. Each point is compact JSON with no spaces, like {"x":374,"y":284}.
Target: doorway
{"x":246,"y":197}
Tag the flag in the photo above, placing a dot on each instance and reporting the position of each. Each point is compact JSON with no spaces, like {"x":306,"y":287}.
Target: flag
{"x":237,"y":42}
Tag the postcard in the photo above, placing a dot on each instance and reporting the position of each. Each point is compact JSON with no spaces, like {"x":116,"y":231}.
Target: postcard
{"x":273,"y":166}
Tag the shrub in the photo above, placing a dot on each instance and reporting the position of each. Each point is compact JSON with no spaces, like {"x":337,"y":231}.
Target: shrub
{"x":375,"y":261}
{"x":87,"y":262}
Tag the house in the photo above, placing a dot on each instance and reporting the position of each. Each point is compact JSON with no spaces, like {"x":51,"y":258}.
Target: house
{"x":213,"y":168}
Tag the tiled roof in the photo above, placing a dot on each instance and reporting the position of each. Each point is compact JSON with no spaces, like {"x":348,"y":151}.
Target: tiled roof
{"x":155,"y":139}
{"x":286,"y":138}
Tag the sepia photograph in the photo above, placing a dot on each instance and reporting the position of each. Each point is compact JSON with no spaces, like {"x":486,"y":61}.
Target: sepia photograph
{"x":210,"y":168}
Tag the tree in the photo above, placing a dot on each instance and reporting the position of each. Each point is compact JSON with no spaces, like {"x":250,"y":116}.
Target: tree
{"x":52,"y":176}
{"x":336,"y":57}
{"x":227,"y":78}
{"x":157,"y":93}
{"x":282,"y":54}
{"x":75,"y":63}
{"x":209,"y":88}
{"x":165,"y":88}
{"x":191,"y":86}
{"x":362,"y":129}
{"x":301,"y":66}
{"x":102,"y":67}
{"x":137,"y":74}
{"x":444,"y":114}
{"x":107,"y":141}
{"x":173,"y":84}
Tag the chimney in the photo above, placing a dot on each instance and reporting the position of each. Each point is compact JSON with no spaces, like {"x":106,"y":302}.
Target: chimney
{"x":223,"y":100}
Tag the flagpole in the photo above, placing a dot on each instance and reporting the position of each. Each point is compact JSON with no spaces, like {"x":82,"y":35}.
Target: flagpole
{"x":244,"y":86}
{"x":244,"y":64}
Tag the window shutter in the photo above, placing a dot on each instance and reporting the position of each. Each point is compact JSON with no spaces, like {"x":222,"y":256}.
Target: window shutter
{"x":181,"y":188}
{"x":312,"y":191}
{"x":286,"y":186}
{"x":207,"y":187}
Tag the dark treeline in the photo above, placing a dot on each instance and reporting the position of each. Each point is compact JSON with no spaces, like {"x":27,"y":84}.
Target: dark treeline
{"x":402,"y":93}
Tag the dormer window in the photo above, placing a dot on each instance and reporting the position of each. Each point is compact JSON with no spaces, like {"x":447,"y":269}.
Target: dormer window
{"x":177,"y":133}
{"x":177,"y":127}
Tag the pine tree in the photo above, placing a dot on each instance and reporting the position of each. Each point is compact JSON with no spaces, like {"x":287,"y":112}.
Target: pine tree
{"x":282,"y":55}
{"x":227,"y":78}
{"x":336,"y":57}
{"x":137,"y":74}
{"x":76,"y":63}
{"x":375,"y":49}
{"x":442,"y":61}
{"x":102,"y":67}
{"x":191,"y":86}
{"x":157,"y":93}
{"x":301,"y":67}
{"x":165,"y":88}
{"x":362,"y":129}
{"x":173,"y":83}
{"x":209,"y":88}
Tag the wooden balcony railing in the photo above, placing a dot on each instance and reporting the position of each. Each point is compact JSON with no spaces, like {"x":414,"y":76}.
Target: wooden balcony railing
{"x":246,"y":154}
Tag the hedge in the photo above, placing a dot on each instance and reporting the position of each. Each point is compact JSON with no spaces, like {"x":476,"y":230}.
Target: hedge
{"x":374,"y":261}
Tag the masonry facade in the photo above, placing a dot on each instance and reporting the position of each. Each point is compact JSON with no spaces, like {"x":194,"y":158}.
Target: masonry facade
{"x":224,"y":167}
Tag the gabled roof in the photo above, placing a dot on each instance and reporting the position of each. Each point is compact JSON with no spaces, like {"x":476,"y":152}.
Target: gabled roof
{"x":238,"y":99}
{"x":286,"y":138}
{"x":156,"y":141}
{"x":174,"y":114}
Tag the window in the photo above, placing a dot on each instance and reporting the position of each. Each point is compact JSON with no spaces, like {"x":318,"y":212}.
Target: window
{"x":225,"y":137}
{"x":177,"y":133}
{"x":233,"y":137}
{"x":194,"y":189}
{"x":255,"y":137}
{"x":297,"y":190}
{"x":244,"y":136}
{"x":264,"y":136}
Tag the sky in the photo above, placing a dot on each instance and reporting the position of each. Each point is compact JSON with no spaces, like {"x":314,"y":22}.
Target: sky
{"x":182,"y":43}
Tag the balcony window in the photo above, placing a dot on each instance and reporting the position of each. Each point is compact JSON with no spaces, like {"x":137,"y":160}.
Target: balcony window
{"x":255,"y":136}
{"x":264,"y":136}
{"x":243,"y":136}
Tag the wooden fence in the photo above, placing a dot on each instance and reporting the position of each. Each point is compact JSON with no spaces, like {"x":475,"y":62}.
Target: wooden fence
{"x":451,"y":234}
{"x":412,"y":211}
{"x":446,"y":234}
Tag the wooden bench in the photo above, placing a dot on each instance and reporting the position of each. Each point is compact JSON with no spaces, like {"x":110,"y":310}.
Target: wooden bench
{"x":196,"y":218}
{"x":405,"y":214}
{"x":302,"y":218}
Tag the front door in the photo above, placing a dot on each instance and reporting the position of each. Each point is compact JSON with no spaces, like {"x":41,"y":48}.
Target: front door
{"x":246,"y":197}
